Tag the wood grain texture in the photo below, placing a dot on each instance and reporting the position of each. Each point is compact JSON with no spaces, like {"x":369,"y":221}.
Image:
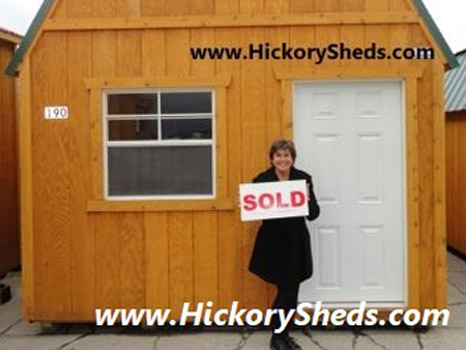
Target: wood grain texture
{"x":107,"y":264}
{"x":132,"y":260}
{"x":230,"y":250}
{"x":9,"y":206}
{"x":151,"y":8}
{"x":180,"y":237}
{"x":82,"y":235}
{"x":455,"y":174}
{"x":157,"y":254}
{"x":439,"y":245}
{"x":412,"y":142}
{"x":26,"y":193}
{"x":53,"y":219}
{"x":254,"y":153}
{"x":157,"y":263}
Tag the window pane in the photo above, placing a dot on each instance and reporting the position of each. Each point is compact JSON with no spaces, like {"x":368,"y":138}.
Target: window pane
{"x":125,"y":130}
{"x":186,"y":129}
{"x":132,"y":104}
{"x":186,"y":102}
{"x":182,"y":170}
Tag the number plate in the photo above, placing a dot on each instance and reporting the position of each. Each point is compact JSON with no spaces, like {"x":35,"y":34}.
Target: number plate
{"x":58,"y":112}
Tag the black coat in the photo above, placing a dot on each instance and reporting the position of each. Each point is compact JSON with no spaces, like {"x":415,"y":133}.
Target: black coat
{"x":282,"y":250}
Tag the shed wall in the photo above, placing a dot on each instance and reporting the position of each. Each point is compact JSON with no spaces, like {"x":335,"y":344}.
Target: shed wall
{"x":456,"y":173}
{"x":81,"y":260}
{"x":9,"y":220}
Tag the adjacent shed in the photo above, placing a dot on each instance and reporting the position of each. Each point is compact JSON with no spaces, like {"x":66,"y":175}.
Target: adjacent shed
{"x":455,"y":96}
{"x":9,"y":206}
{"x":132,"y":152}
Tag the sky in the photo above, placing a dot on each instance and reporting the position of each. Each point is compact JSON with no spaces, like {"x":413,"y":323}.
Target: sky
{"x":450,"y":16}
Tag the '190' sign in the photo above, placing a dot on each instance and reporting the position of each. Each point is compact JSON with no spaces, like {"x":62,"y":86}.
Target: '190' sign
{"x":58,"y":112}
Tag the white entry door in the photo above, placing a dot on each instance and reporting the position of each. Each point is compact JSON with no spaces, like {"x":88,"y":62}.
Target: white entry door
{"x":349,"y":136}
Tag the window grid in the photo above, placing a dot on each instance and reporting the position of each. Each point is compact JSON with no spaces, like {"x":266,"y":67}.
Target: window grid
{"x":160,"y":142}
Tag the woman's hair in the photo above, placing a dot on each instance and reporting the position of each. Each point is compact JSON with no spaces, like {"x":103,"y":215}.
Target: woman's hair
{"x":283,"y":144}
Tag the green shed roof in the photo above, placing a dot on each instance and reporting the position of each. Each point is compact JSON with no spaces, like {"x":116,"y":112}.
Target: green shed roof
{"x":455,"y":86}
{"x":13,"y":66}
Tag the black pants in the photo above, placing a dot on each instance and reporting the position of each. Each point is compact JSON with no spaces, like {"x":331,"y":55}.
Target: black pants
{"x":287,"y":299}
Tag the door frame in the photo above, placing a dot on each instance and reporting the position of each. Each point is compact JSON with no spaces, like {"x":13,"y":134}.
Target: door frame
{"x":409,"y":76}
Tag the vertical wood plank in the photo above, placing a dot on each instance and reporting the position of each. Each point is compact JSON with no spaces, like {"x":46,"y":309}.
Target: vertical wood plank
{"x":83,"y":249}
{"x":151,"y":8}
{"x":302,"y":6}
{"x":352,"y":5}
{"x":440,"y":184}
{"x":51,"y":198}
{"x":398,"y":5}
{"x":380,"y":35}
{"x":230,"y":264}
{"x":9,"y":215}
{"x":426,"y":190}
{"x":376,"y":5}
{"x":79,"y":9}
{"x":105,"y":8}
{"x":328,"y":5}
{"x":104,"y":65}
{"x":352,"y":36}
{"x":154,"y":61}
{"x":327,"y":35}
{"x":129,"y":56}
{"x":177,"y":7}
{"x":254,"y":152}
{"x":251,"y":6}
{"x":26,"y":191}
{"x":226,"y":7}
{"x":276,"y":6}
{"x":107,"y":270}
{"x":180,"y":233}
{"x":129,"y":8}
{"x":202,"y":7}
{"x":157,"y":286}
{"x":132,"y":262}
{"x":205,"y":240}
{"x":205,"y":258}
{"x":413,"y":193}
{"x":177,"y":52}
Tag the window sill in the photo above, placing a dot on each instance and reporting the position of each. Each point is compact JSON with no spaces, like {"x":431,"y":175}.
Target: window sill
{"x":160,"y":205}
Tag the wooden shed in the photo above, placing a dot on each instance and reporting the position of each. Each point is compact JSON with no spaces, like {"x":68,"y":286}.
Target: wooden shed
{"x":132,"y":152}
{"x":9,"y":205}
{"x":455,"y":106}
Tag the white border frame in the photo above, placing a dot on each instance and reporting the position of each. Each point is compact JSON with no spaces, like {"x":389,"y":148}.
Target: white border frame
{"x":405,"y":166}
{"x":158,"y":91}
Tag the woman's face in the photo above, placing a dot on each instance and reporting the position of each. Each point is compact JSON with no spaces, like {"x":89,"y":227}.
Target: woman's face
{"x":282,"y":160}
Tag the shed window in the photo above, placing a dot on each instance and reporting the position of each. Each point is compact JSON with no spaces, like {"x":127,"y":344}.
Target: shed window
{"x":159,"y":144}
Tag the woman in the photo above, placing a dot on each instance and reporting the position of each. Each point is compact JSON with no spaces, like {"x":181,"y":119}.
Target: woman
{"x":282,"y":251}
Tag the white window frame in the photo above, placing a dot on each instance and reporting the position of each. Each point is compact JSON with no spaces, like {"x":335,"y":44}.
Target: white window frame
{"x":154,"y":143}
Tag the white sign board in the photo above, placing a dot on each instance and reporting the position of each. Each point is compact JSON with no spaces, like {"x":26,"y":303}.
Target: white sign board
{"x":269,"y":200}
{"x":57,"y":112}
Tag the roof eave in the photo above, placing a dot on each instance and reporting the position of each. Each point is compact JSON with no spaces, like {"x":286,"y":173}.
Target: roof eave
{"x":13,"y":67}
{"x":436,"y":34}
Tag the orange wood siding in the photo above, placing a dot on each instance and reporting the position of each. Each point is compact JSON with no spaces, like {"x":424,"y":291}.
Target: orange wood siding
{"x":456,"y":173}
{"x":155,"y":259}
{"x":9,"y":219}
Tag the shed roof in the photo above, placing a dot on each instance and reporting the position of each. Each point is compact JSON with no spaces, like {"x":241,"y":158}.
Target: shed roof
{"x":33,"y":30}
{"x":8,"y":35}
{"x":455,"y":85}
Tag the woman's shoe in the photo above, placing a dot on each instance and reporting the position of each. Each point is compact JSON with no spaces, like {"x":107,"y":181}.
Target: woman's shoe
{"x":279,"y":342}
{"x":292,"y":343}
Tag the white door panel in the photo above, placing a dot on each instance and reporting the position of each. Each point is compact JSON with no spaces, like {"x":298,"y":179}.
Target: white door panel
{"x":349,"y":136}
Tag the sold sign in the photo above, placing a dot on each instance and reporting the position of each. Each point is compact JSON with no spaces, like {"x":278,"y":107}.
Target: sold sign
{"x":269,"y":200}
